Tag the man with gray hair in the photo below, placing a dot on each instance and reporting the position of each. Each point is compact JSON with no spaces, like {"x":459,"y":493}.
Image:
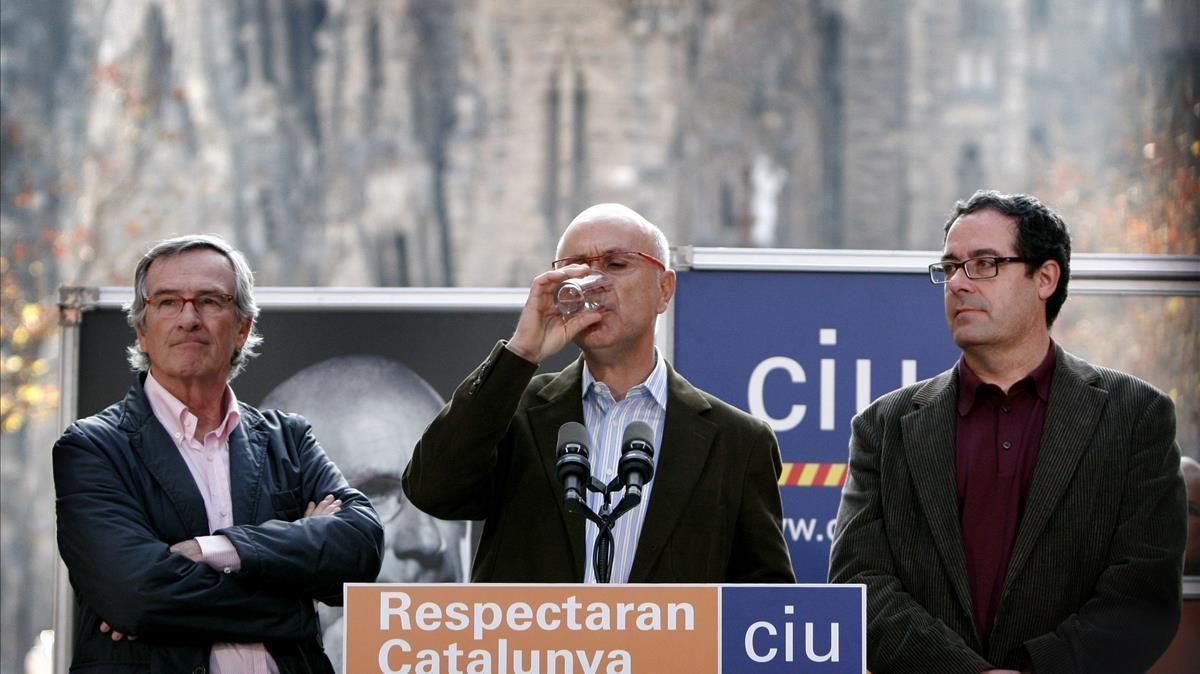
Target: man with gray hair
{"x":711,"y":514}
{"x":197,"y":530}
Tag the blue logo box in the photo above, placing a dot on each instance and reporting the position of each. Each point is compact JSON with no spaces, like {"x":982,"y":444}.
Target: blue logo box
{"x":793,"y":628}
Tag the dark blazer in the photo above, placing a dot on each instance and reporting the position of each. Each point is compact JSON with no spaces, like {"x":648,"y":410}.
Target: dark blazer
{"x":125,"y":494}
{"x":1094,"y":581}
{"x":715,"y":515}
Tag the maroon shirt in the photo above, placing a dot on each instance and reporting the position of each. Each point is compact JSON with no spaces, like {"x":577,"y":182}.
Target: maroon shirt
{"x":998,"y":440}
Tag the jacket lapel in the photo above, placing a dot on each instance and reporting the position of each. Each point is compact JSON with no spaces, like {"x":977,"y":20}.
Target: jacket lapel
{"x":687,"y":440}
{"x":563,"y":402}
{"x":247,"y":449}
{"x":1072,"y":413}
{"x":160,"y":455}
{"x":929,"y":441}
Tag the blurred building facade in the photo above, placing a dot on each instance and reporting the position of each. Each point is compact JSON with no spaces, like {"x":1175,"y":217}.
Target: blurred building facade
{"x":434,"y":143}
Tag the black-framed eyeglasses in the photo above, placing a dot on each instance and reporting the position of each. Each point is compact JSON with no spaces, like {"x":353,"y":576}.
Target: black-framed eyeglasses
{"x":613,"y":262}
{"x":976,"y":268}
{"x":169,"y":305}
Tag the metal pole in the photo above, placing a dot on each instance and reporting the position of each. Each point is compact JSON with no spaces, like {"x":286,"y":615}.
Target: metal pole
{"x":72,"y":302}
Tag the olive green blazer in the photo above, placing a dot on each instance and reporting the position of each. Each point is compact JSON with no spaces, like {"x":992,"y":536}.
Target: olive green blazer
{"x":715,"y":515}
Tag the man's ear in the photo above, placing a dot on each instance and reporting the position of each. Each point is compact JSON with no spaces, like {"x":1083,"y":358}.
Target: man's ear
{"x":244,"y":332}
{"x":1047,"y":277}
{"x":666,"y":289}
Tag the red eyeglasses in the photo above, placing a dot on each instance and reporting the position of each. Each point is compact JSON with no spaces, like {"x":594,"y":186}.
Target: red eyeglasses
{"x":611,"y":262}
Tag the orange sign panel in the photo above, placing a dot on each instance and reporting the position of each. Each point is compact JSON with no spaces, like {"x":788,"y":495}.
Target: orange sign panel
{"x":516,"y":629}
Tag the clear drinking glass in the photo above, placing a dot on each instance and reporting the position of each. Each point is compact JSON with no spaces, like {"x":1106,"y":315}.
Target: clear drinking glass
{"x":589,"y":293}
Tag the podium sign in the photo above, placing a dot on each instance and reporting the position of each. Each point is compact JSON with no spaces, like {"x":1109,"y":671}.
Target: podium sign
{"x":604,"y":629}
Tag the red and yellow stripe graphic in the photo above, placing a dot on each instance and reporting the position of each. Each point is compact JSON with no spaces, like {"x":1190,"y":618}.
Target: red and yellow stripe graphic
{"x":813,"y":475}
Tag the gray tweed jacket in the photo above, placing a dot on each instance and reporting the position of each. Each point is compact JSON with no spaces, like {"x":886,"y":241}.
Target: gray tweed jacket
{"x":1094,"y":581}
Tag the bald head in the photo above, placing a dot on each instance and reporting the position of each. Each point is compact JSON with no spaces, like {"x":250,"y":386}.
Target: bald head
{"x":616,"y":214}
{"x":367,"y":411}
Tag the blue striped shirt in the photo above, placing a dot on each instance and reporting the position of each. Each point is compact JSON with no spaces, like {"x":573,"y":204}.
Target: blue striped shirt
{"x":606,"y":420}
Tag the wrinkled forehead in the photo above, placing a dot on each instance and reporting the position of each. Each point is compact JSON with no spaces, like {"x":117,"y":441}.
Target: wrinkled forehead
{"x":367,"y":412}
{"x":202,"y":268}
{"x":601,"y":235}
{"x":984,"y":232}
{"x":365,"y":444}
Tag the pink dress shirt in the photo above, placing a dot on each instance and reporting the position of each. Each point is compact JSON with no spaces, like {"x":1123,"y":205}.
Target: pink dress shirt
{"x":208,"y":460}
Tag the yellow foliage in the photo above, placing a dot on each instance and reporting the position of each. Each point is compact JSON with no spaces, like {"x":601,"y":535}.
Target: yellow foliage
{"x":30,"y":314}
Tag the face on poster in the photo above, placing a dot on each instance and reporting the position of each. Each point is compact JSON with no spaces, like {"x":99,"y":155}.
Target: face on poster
{"x":805,"y":352}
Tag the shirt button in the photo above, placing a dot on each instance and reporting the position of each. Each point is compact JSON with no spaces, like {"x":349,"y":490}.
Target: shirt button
{"x":1005,"y":408}
{"x":178,"y":435}
{"x":210,"y":457}
{"x":1006,"y":444}
{"x":227,"y":570}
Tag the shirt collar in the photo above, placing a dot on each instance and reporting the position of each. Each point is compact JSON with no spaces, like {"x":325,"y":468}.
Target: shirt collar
{"x":655,"y":383}
{"x":176,"y":417}
{"x":969,"y":383}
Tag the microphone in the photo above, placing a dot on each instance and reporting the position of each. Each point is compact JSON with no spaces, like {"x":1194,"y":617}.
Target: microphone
{"x":573,"y":467}
{"x":636,"y":465}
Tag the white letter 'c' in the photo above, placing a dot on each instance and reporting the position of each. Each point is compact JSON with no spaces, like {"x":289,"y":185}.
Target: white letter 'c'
{"x":754,"y":394}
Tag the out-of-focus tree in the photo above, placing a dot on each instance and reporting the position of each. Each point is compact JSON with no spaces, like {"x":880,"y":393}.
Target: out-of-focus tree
{"x":31,"y":198}
{"x":28,"y":324}
{"x":28,"y":403}
{"x":1146,"y":199}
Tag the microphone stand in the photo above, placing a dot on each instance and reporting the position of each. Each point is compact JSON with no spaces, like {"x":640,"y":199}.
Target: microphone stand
{"x":602,"y":551}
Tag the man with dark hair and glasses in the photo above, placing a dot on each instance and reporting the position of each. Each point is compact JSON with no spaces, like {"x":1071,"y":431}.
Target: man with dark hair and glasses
{"x":711,"y":513}
{"x":198,"y":530}
{"x":1024,"y":510}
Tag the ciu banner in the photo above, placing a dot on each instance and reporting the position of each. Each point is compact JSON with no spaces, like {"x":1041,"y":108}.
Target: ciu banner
{"x":806,"y":351}
{"x":615,"y":629}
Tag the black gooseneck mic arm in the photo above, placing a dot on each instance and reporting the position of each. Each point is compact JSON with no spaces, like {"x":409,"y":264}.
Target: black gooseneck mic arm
{"x":634,"y":469}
